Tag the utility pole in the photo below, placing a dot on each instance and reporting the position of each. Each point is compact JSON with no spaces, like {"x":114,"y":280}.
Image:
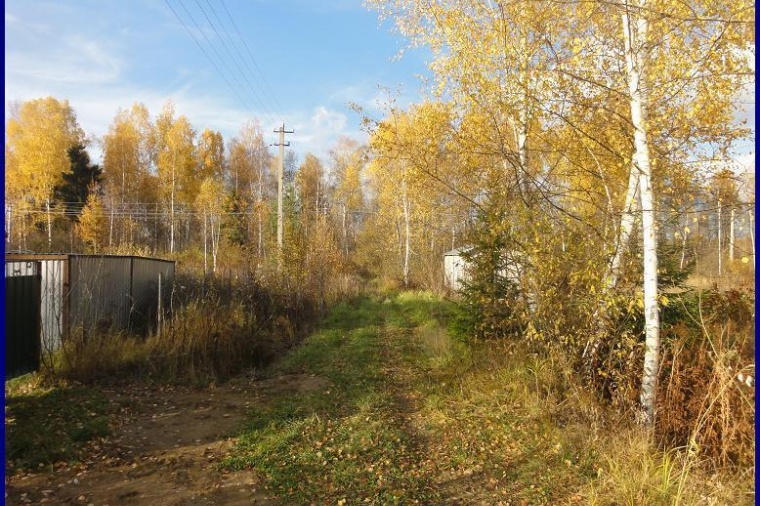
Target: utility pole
{"x":731,"y":237}
{"x":280,"y":174}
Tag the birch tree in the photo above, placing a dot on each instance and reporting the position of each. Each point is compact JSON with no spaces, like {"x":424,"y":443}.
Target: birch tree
{"x":39,"y":134}
{"x":175,"y":164}
{"x":210,"y":154}
{"x":311,"y":190}
{"x":348,"y":159}
{"x":666,"y":72}
{"x":408,"y":171}
{"x":249,"y":174}
{"x":127,"y":152}
{"x":210,"y":205}
{"x":91,"y":226}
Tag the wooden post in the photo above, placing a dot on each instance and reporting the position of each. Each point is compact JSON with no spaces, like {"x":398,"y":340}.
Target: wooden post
{"x":280,"y":175}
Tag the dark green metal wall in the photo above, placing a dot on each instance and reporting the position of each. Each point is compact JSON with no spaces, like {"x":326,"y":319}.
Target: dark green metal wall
{"x":22,"y":325}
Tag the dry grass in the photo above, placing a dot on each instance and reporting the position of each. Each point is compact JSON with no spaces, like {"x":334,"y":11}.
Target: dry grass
{"x":218,"y":329}
{"x":632,"y":473}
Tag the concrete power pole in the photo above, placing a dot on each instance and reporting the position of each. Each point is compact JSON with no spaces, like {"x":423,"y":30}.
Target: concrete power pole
{"x":280,"y":174}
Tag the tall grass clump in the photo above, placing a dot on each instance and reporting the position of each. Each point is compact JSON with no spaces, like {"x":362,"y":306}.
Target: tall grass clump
{"x":87,"y":359}
{"x":214,"y":328}
{"x":632,"y":472}
{"x":705,"y":402}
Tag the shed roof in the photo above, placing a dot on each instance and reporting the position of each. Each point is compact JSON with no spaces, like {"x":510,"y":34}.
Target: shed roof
{"x":457,"y":251}
{"x":26,"y":256}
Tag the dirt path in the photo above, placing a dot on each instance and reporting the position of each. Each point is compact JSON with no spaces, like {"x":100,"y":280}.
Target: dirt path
{"x":164,"y":450}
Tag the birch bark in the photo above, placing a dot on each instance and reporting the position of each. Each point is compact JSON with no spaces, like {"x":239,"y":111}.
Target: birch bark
{"x":635,"y":28}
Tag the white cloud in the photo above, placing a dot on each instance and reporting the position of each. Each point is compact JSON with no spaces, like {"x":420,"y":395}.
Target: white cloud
{"x":743,"y":163}
{"x":73,"y":61}
{"x":328,"y":120}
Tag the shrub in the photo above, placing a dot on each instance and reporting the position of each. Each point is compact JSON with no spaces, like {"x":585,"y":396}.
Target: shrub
{"x":706,"y":403}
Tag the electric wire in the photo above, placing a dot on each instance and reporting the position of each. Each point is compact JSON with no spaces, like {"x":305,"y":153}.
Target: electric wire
{"x":236,"y":90}
{"x":221,"y":74}
{"x":277,"y":104}
{"x":261,"y":84}
{"x":259,"y":96}
{"x":216,"y":51}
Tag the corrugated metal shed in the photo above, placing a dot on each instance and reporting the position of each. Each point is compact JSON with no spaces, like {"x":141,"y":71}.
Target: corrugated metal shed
{"x":96,"y":292}
{"x":53,"y":273}
{"x":148,"y":275}
{"x":100,"y":291}
{"x":22,"y":318}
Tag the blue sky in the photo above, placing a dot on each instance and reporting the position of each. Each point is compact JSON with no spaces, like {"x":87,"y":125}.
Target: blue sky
{"x":315,"y":56}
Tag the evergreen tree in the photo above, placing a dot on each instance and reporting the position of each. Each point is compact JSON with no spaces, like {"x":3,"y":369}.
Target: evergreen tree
{"x":77,"y":182}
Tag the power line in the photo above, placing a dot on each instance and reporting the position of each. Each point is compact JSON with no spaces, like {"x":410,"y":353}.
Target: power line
{"x":262,"y":84}
{"x":256,"y":94}
{"x":213,"y":47}
{"x":250,"y":54}
{"x":204,"y":51}
{"x":234,"y":89}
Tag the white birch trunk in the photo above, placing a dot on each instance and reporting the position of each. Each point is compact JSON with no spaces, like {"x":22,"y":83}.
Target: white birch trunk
{"x":635,"y":28}
{"x":345,"y":231}
{"x":9,"y":226}
{"x":49,"y":226}
{"x":615,"y":265}
{"x":683,"y":248}
{"x":607,"y":192}
{"x":720,"y":238}
{"x":110,"y":226}
{"x":407,"y":250}
{"x":752,"y":233}
{"x":205,"y":243}
{"x":171,"y":203}
{"x":215,"y":235}
{"x":627,"y":222}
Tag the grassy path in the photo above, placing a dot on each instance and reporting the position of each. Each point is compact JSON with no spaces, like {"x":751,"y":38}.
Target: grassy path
{"x":398,"y":422}
{"x":351,"y":440}
{"x":382,"y":405}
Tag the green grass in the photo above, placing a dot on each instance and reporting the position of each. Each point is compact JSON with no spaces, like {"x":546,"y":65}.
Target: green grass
{"x":347,"y":441}
{"x":413,"y":413}
{"x":45,"y":426}
{"x":407,"y":411}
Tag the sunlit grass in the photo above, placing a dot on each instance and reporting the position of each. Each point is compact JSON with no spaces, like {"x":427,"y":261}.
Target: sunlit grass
{"x":347,"y":440}
{"x":413,"y":412}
